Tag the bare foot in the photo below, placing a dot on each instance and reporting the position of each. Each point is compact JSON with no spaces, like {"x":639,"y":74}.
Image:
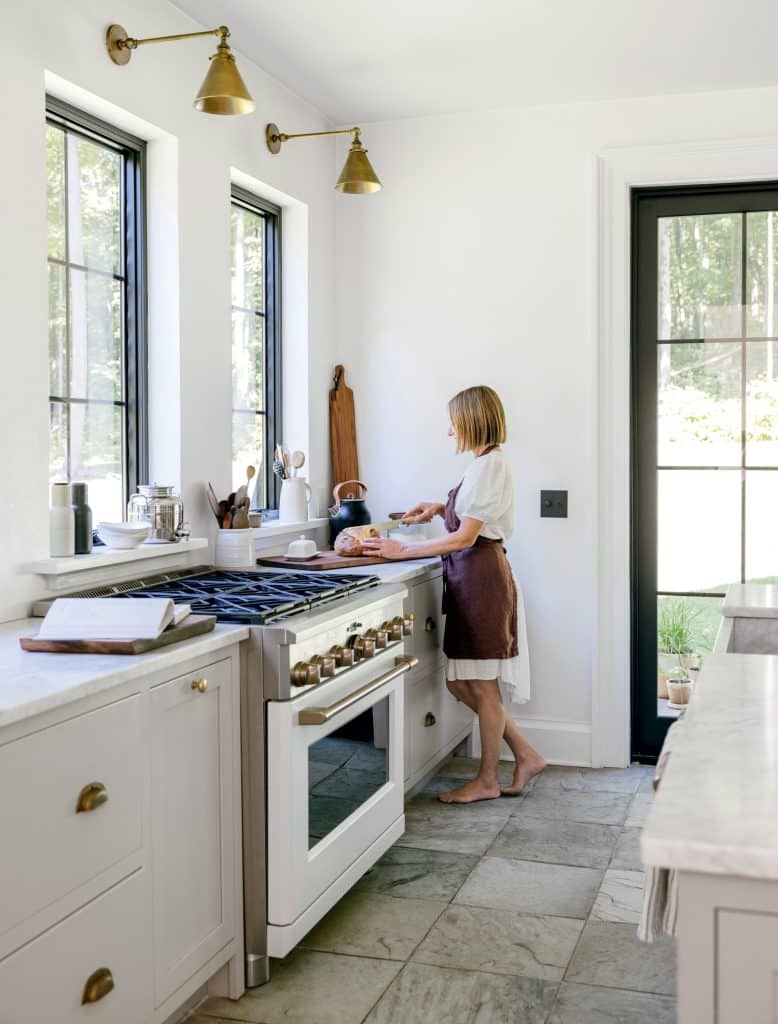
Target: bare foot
{"x":525,"y":770}
{"x":471,"y":791}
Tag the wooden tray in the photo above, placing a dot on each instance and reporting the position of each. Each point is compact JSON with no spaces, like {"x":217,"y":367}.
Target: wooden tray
{"x":193,"y":625}
{"x":324,"y":560}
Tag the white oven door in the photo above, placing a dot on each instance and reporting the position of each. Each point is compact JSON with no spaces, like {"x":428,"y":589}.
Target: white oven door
{"x":335,"y":790}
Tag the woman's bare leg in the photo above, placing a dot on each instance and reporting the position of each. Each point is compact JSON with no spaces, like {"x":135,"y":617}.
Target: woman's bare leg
{"x":491,"y":722}
{"x":529,"y":762}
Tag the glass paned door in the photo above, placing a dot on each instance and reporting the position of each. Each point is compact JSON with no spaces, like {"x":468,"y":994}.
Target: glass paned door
{"x":705,"y":426}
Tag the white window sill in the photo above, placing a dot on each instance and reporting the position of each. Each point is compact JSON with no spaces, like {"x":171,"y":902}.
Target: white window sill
{"x":276,"y":529}
{"x":102,"y":557}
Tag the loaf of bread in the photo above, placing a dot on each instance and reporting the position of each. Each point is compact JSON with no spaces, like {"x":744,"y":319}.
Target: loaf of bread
{"x":349,"y":541}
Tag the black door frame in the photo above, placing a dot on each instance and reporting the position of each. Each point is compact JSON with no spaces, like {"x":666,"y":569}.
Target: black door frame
{"x":647,"y":206}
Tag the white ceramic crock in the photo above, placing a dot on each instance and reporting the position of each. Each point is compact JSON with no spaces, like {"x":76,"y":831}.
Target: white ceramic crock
{"x":234,"y":549}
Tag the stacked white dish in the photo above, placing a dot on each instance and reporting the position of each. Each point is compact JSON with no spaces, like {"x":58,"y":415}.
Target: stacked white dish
{"x":123,"y":535}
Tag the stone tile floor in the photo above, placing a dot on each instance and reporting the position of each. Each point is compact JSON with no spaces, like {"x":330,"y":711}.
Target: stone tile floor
{"x":512,"y":911}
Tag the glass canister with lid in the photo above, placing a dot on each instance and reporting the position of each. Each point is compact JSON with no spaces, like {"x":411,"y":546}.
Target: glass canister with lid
{"x":161,"y":508}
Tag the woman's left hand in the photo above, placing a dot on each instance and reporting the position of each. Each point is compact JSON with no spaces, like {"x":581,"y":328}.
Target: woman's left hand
{"x":385,"y":548}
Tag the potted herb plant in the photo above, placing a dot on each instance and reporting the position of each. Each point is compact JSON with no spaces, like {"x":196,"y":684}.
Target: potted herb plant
{"x":675,"y":643}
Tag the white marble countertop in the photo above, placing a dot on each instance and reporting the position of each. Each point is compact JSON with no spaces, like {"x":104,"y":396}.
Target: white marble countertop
{"x":751,"y":601}
{"x":716,"y":810}
{"x":397,"y":572}
{"x":31,"y":683}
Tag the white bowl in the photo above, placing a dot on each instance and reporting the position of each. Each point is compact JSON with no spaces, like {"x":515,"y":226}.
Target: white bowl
{"x":123,"y":535}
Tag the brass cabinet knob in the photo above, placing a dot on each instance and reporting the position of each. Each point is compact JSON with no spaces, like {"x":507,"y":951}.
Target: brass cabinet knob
{"x":379,"y":636}
{"x":98,"y":985}
{"x":325,"y":664}
{"x":305,"y":674}
{"x":429,"y":720}
{"x":92,"y":796}
{"x":429,"y":624}
{"x":344,"y":656}
{"x":201,"y":685}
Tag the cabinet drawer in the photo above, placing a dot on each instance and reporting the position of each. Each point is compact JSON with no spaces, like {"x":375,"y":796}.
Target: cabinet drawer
{"x":49,"y":847}
{"x":433,"y":719}
{"x":425,"y":601}
{"x":45,"y":980}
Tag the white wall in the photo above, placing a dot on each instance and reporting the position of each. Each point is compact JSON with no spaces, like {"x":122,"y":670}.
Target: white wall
{"x":192,"y":157}
{"x":477,"y":263}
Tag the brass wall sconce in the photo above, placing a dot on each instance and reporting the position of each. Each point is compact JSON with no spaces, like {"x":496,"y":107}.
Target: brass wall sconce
{"x":357,"y":176}
{"x":223,"y":90}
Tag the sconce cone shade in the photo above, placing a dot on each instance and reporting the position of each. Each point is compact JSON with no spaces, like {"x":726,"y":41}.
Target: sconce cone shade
{"x":223,"y":91}
{"x":358,"y":176}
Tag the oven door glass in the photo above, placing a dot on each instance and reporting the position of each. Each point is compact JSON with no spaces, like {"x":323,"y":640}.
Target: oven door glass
{"x":333,"y":789}
{"x":345,"y":770}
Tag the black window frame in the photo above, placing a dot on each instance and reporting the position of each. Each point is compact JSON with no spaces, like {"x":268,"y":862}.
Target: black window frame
{"x":271,"y":215}
{"x":648,"y":205}
{"x":135,"y":440}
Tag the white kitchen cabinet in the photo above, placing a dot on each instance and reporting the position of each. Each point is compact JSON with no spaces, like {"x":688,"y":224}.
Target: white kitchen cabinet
{"x":193,"y":821}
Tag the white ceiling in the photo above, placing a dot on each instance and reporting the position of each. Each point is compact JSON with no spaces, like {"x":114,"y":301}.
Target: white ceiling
{"x":374,"y":61}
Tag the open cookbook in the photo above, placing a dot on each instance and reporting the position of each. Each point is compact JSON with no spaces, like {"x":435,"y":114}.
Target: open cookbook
{"x":110,"y":618}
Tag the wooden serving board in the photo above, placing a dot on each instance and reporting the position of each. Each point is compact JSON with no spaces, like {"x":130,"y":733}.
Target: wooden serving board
{"x":324,"y":560}
{"x":192,"y":625}
{"x":343,"y":430}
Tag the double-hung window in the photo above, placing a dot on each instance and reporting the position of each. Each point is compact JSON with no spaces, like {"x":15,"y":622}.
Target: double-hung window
{"x":97,"y":361}
{"x":256,"y":344}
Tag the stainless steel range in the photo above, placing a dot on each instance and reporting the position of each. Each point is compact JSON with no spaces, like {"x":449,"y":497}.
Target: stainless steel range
{"x":321,"y":731}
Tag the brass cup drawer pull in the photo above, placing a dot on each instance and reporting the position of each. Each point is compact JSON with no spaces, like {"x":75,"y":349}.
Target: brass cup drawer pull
{"x":98,"y":985}
{"x":91,"y":797}
{"x":430,"y":625}
{"x":201,"y":685}
{"x":429,"y":720}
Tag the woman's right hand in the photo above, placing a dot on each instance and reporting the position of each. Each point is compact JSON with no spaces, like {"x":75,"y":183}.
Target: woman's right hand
{"x":424,"y":512}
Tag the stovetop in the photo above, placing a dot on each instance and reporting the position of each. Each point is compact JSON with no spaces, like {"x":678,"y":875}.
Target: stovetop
{"x":254,"y":598}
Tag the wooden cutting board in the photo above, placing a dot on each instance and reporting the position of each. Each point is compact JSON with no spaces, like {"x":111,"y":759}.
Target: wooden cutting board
{"x":324,"y":560}
{"x":192,"y":625}
{"x":343,"y":430}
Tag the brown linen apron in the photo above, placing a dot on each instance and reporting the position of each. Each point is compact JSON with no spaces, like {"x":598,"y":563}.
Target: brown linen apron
{"x":479,"y":597}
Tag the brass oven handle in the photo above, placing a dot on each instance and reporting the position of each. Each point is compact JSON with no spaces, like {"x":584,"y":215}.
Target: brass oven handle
{"x":92,"y":796}
{"x":201,"y":685}
{"x":98,"y":985}
{"x":320,"y":716}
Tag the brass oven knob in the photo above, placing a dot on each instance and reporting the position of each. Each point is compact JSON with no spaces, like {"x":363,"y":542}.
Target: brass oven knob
{"x":343,"y":656}
{"x":305,"y":674}
{"x":364,"y":647}
{"x":405,"y":622}
{"x":394,"y":629}
{"x":380,"y":636}
{"x":325,"y":663}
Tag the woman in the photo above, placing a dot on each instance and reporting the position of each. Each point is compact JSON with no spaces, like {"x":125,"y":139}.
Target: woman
{"x":480,"y":596}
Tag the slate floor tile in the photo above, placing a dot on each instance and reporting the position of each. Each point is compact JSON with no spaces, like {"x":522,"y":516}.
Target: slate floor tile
{"x":583,"y":844}
{"x":611,"y":955}
{"x":602,"y":807}
{"x":626,"y":854}
{"x":615,"y":780}
{"x":422,"y":994}
{"x":620,"y":897}
{"x":421,"y":874}
{"x":467,"y":768}
{"x":638,"y":810}
{"x":370,"y":924}
{"x":501,"y":941}
{"x":531,"y":888}
{"x":580,"y":1004}
{"x":308,"y":986}
{"x":453,"y":828}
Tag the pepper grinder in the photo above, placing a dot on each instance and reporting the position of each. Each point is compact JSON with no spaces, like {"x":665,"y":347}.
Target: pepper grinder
{"x":62,"y":539}
{"x":82,"y":515}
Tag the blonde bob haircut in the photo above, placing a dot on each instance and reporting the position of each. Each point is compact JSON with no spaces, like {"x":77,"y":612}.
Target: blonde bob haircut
{"x":478,"y":418}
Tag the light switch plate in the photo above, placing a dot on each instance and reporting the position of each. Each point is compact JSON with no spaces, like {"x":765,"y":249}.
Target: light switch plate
{"x":553,"y":504}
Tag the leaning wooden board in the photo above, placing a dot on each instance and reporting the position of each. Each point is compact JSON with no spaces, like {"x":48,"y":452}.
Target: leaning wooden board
{"x":325,"y":560}
{"x":343,"y":430}
{"x":192,"y":625}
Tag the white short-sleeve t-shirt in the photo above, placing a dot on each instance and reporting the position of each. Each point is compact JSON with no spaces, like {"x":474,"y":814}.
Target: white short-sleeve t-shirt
{"x":487,"y":494}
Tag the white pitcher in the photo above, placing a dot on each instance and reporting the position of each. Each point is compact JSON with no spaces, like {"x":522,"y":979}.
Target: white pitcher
{"x":294,"y":501}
